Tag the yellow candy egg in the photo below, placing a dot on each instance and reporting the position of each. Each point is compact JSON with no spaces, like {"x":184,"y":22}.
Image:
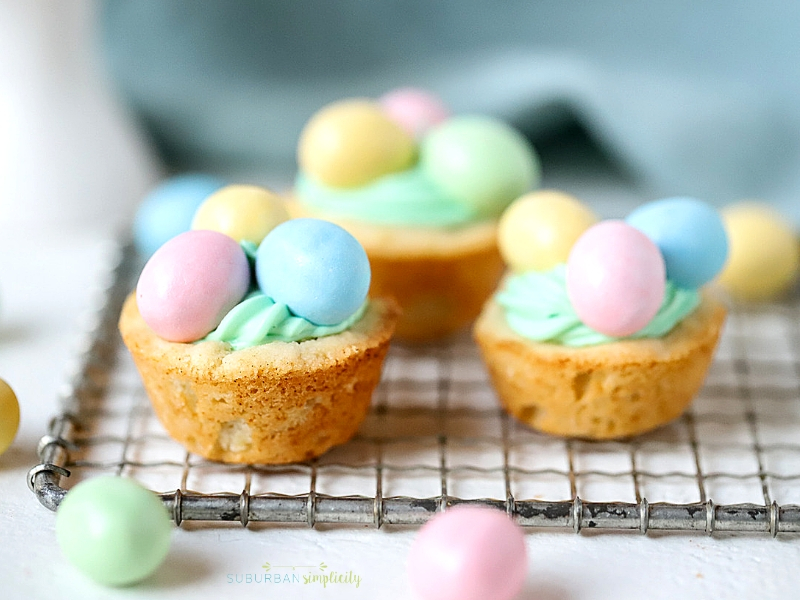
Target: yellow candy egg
{"x":352,"y":142}
{"x":538,"y":230}
{"x":763,"y":258}
{"x":243,"y":212}
{"x":9,"y":416}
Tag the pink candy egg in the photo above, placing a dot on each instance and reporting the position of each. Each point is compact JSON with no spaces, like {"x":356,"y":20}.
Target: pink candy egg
{"x":468,"y":553}
{"x":190,"y":283}
{"x":414,"y":110}
{"x":615,"y":278}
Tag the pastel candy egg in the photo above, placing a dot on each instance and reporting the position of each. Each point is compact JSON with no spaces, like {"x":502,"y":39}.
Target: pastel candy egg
{"x":690,"y":235}
{"x":481,"y":161}
{"x":9,"y":416}
{"x":113,"y":530}
{"x":242,"y":212}
{"x":415,"y":110}
{"x":352,"y":142}
{"x":538,"y":230}
{"x":468,"y":553}
{"x":616,"y":278}
{"x":316,"y":268}
{"x":169,"y":208}
{"x":190,"y":284}
{"x":764,"y":259}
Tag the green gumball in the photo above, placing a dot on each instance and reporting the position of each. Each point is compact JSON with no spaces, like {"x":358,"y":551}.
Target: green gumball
{"x":113,"y":530}
{"x":481,"y":161}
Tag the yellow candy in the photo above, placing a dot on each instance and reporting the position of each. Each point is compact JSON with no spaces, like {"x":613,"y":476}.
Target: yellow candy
{"x":538,"y":230}
{"x":763,"y":258}
{"x":9,"y":415}
{"x":352,"y":142}
{"x":243,"y":212}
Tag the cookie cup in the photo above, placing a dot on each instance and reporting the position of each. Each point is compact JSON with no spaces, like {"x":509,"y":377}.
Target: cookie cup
{"x":275,"y":403}
{"x":607,"y":391}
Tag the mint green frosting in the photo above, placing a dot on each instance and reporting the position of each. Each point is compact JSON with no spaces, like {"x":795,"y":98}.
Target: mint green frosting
{"x":250,"y":250}
{"x":537,"y":307}
{"x":408,"y":197}
{"x":258,"y":320}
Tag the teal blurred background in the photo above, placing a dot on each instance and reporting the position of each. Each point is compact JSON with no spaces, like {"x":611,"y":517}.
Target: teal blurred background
{"x":626,"y":100}
{"x":678,"y":97}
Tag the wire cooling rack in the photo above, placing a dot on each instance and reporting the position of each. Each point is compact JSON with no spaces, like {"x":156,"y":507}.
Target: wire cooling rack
{"x":436,"y":437}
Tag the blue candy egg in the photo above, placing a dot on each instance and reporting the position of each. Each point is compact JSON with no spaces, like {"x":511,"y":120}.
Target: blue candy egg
{"x":690,"y":235}
{"x":316,"y":268}
{"x":169,"y":208}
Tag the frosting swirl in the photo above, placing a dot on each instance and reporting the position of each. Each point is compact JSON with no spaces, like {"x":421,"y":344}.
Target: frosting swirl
{"x":259,"y":320}
{"x":537,"y":307}
{"x":407,"y":197}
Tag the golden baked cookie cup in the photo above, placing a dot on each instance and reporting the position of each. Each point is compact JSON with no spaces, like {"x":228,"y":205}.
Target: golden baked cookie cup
{"x":440,"y":277}
{"x":601,"y":392}
{"x":275,"y":403}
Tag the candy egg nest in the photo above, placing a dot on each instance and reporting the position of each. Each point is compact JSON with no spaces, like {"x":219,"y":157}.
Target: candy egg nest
{"x":259,"y":354}
{"x":404,"y":160}
{"x":304,"y":270}
{"x":422,"y":190}
{"x":577,"y":281}
{"x":605,"y":344}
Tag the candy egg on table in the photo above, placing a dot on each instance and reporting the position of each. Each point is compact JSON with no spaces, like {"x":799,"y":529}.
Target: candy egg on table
{"x":616,"y":278}
{"x":764,"y":260}
{"x":351,"y":142}
{"x":242,"y":212}
{"x":9,"y":416}
{"x":690,"y":235}
{"x":113,"y":530}
{"x":190,"y":283}
{"x":315,"y":268}
{"x":169,"y":208}
{"x":414,"y":109}
{"x":468,"y":553}
{"x":482,"y":161}
{"x":537,"y":231}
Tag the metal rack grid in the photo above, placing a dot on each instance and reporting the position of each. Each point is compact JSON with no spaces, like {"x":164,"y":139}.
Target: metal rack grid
{"x":436,"y":437}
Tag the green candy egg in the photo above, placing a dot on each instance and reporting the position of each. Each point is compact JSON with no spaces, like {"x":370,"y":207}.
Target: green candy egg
{"x":113,"y":530}
{"x":481,"y":161}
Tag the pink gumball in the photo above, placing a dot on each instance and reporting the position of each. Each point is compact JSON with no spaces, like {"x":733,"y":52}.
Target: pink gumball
{"x":615,"y":278}
{"x":468,"y":553}
{"x":190,"y":283}
{"x":414,"y":110}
